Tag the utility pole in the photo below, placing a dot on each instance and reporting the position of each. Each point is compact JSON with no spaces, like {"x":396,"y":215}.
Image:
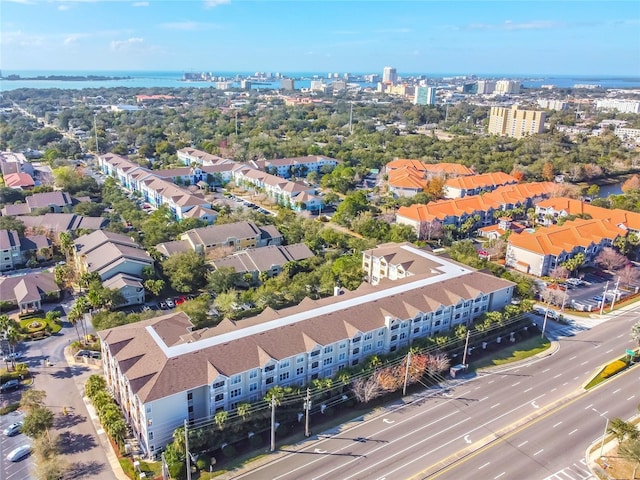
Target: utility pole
{"x":307,"y":409}
{"x":95,"y":131}
{"x":351,"y":119}
{"x":186,"y":447}
{"x":406,"y":373}
{"x":165,"y":469}
{"x":236,"y":123}
{"x":273,"y":423}
{"x":466,"y":348}
{"x":615,"y":294}
{"x":604,"y":293}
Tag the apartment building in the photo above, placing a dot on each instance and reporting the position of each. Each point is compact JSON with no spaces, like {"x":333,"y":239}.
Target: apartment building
{"x":55,"y":202}
{"x":516,"y":123}
{"x":466,"y":185}
{"x":486,"y":87}
{"x":297,"y":166}
{"x":29,"y":291}
{"x":162,"y":372}
{"x":620,"y":105}
{"x":550,"y":210}
{"x":408,"y":177}
{"x":424,"y":96}
{"x":118,"y":259}
{"x":389,"y":75}
{"x":551,"y":104}
{"x":456,"y":211}
{"x":507,"y":87}
{"x":539,"y":252}
{"x":10,"y":250}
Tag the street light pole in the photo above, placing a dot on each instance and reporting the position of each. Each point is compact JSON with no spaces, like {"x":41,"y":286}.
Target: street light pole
{"x":604,"y":434}
{"x":466,"y":348}
{"x":186,"y":447}
{"x":604,"y":293}
{"x":615,"y":294}
{"x":273,"y":423}
{"x":307,"y":408}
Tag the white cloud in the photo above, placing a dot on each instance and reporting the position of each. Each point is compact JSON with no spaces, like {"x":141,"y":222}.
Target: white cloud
{"x":24,"y":2}
{"x":62,"y":8}
{"x":188,"y":25}
{"x":21,"y":39}
{"x":140,"y":4}
{"x":215,"y":3}
{"x":124,"y":45}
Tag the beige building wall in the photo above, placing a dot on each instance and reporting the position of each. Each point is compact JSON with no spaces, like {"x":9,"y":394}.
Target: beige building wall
{"x":517,"y":256}
{"x":516,"y":123}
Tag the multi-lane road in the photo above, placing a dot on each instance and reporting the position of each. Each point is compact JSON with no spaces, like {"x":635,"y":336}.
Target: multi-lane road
{"x":532,"y":421}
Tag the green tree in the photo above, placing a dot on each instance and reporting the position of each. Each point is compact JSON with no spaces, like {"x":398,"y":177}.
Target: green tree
{"x":197,"y":310}
{"x":220,"y":418}
{"x":622,"y":429}
{"x":38,"y":420}
{"x":155,"y":287}
{"x":630,"y":450}
{"x":93,"y":385}
{"x":187,"y":272}
{"x":223,"y":279}
{"x":32,"y":399}
{"x":348,"y":271}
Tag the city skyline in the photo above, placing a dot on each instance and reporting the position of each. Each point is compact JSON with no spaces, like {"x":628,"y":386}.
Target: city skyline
{"x":414,"y":37}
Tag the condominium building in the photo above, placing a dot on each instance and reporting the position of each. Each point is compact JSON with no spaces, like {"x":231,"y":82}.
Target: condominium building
{"x":424,"y":96}
{"x":512,"y":122}
{"x":507,"y":86}
{"x":287,"y":84}
{"x":162,"y":372}
{"x":486,"y":87}
{"x":551,"y":104}
{"x":622,"y":106}
{"x":389,"y":75}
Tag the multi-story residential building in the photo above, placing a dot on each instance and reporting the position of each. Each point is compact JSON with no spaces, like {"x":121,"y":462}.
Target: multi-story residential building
{"x":516,"y":123}
{"x":237,"y":236}
{"x":269,"y":260}
{"x":28,"y":292}
{"x":54,"y":202}
{"x":539,"y":252}
{"x":424,"y":96}
{"x":551,"y":104}
{"x":466,"y":185}
{"x":625,"y":134}
{"x":22,"y":181}
{"x":10,"y":250}
{"x":456,"y":212}
{"x":11,"y":162}
{"x":287,"y":84}
{"x":408,"y":177}
{"x":162,"y":372}
{"x":507,"y":87}
{"x":54,"y":223}
{"x":297,"y":166}
{"x":118,"y":259}
{"x":389,"y":75}
{"x":486,"y":87}
{"x":622,"y":106}
{"x":550,"y":210}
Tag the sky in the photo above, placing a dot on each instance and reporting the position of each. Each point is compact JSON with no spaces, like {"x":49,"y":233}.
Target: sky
{"x":544,"y":37}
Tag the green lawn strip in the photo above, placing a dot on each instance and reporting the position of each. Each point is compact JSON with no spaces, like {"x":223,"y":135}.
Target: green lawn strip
{"x":152,"y":469}
{"x":599,"y":378}
{"x":513,"y":353}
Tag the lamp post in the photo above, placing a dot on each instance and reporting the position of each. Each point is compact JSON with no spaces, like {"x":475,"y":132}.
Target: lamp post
{"x":604,"y":434}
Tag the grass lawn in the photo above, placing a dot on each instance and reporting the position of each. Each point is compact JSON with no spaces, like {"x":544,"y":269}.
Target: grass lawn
{"x":519,"y":351}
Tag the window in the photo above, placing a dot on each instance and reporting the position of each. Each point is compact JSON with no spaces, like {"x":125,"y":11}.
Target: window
{"x":355,"y":362}
{"x":300,"y":359}
{"x":328,"y":349}
{"x":148,"y":408}
{"x":150,"y":422}
{"x":299,"y":370}
{"x":403,"y":335}
{"x":253,"y":374}
{"x":356,"y":351}
{"x":269,"y":381}
{"x":355,"y":340}
{"x":315,"y":353}
{"x":219,"y":384}
{"x":343,"y":345}
{"x":150,"y":435}
{"x":253,"y":387}
{"x":284,"y":364}
{"x":368,"y":336}
{"x":327,"y":361}
{"x":219,"y":397}
{"x":284,"y":376}
{"x":190,"y":409}
{"x":381,"y":332}
{"x":394,"y":338}
{"x":235,"y":393}
{"x":457,"y":316}
{"x":269,"y":368}
{"x":314,"y":365}
{"x":342,"y":356}
{"x":190,"y":396}
{"x":379,"y":344}
{"x":437,"y":324}
{"x":395,"y":327}
{"x":367,"y":348}
{"x":416,"y":330}
{"x":236,"y":379}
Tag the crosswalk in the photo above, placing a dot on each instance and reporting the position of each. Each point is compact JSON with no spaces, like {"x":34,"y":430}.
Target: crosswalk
{"x":577,"y":471}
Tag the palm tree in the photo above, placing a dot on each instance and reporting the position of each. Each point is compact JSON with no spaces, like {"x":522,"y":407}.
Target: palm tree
{"x":630,"y":450}
{"x":244,"y":410}
{"x":13,"y":336}
{"x":220,"y":418}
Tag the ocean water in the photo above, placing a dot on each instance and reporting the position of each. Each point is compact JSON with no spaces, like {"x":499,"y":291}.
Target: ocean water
{"x":173,"y":79}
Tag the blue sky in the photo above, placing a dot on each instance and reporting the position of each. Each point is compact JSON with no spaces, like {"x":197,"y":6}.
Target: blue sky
{"x":541,"y":37}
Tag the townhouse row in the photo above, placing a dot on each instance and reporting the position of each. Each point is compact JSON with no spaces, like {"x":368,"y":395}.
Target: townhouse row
{"x":163,"y":373}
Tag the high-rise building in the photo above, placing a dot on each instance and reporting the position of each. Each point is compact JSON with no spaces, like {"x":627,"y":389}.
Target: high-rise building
{"x":512,"y":122}
{"x":372,"y":78}
{"x":287,"y":84}
{"x":389,"y":75}
{"x":508,"y":86}
{"x":485,"y":87}
{"x":424,"y":96}
{"x":622,"y":106}
{"x":339,"y":85}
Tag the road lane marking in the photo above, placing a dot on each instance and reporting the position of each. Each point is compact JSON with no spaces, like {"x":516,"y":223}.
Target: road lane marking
{"x":565,"y":383}
{"x":573,"y":357}
{"x":609,"y":351}
{"x":557,"y":424}
{"x":588,"y":406}
{"x":482,"y":399}
{"x":573,"y":431}
{"x":616,"y":391}
{"x":489,"y":383}
{"x":632,"y":396}
{"x":620,"y":336}
{"x":517,"y":383}
{"x":545,"y":371}
{"x":523,"y":443}
{"x":528,"y":389}
{"x":539,"y":451}
{"x":584,"y":363}
{"x":496,"y":405}
{"x":485,"y":465}
{"x":498,"y":476}
{"x":554,"y":389}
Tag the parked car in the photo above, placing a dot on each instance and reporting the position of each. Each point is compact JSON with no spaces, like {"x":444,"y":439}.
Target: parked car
{"x":598,"y":298}
{"x":10,"y":385}
{"x":163,"y":306}
{"x":170,"y":303}
{"x":19,"y":453}
{"x":15,"y":356}
{"x":13,"y":429}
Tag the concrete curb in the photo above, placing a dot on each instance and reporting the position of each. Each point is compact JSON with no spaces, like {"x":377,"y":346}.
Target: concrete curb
{"x":592,"y":453}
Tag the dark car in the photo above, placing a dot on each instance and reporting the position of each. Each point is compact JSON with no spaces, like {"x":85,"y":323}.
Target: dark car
{"x":10,"y":385}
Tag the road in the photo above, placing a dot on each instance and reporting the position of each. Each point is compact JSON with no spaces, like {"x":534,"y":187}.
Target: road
{"x":438,"y":432}
{"x":80,"y":447}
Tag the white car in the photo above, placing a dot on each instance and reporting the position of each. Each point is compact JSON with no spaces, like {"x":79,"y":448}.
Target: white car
{"x":19,"y":453}
{"x":13,"y":357}
{"x":170,"y":303}
{"x":13,"y":429}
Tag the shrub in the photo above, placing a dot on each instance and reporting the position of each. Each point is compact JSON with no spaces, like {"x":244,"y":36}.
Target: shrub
{"x":203,"y":462}
{"x":613,"y":368}
{"x":229,"y":451}
{"x":12,"y":407}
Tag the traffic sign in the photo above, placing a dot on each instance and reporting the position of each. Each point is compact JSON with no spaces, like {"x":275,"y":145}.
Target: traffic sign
{"x":631,"y":353}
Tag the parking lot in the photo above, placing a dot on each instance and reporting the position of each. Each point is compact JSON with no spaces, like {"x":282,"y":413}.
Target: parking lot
{"x":20,"y":470}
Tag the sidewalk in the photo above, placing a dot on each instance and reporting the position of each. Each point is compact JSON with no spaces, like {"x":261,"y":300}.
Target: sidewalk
{"x":599,"y":449}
